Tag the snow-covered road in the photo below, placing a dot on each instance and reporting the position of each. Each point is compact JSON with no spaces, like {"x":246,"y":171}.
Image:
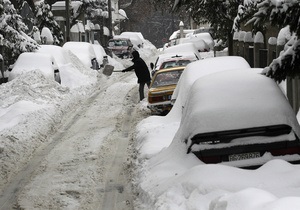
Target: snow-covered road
{"x":86,"y":164}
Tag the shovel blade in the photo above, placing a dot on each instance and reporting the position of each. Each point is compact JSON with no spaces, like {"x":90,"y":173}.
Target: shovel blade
{"x":108,"y":70}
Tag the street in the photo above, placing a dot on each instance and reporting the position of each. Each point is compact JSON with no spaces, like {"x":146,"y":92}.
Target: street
{"x":87,"y":162}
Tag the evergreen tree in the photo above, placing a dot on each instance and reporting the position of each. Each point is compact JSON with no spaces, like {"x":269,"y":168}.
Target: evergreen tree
{"x":12,"y":32}
{"x":44,"y":18}
{"x":280,"y":14}
{"x":92,"y":9}
{"x":218,"y":13}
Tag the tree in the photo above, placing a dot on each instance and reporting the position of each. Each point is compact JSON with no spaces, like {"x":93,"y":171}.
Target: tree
{"x":218,"y":13}
{"x":12,"y":32}
{"x":45,"y":18}
{"x":92,"y":9}
{"x":281,"y":14}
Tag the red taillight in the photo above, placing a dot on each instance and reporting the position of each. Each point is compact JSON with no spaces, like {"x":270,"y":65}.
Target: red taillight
{"x":209,"y":159}
{"x":286,"y":151}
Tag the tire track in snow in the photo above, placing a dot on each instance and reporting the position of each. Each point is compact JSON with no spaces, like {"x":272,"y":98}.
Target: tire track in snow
{"x":116,"y":189}
{"x":9,"y":200}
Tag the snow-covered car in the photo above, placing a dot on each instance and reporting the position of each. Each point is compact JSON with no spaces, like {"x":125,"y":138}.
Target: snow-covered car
{"x":206,"y":37}
{"x":201,"y":68}
{"x":84,"y":51}
{"x":121,"y":47}
{"x":136,"y":38}
{"x":29,"y":61}
{"x":161,"y":89}
{"x":60,"y":54}
{"x":239,"y":118}
{"x":185,"y":47}
{"x":202,"y":41}
{"x":175,"y":56}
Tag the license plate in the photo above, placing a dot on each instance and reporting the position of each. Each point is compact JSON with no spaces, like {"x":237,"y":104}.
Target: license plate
{"x":243,"y":156}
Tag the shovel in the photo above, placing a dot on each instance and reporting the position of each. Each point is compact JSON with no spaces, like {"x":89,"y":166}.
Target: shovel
{"x":109,"y":69}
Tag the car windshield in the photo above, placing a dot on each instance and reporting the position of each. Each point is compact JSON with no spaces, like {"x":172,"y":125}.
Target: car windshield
{"x":166,"y":78}
{"x":174,"y":63}
{"x":117,"y":43}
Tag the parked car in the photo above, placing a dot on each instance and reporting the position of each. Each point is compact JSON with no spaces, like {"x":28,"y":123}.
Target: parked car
{"x":201,"y":68}
{"x":59,"y":54}
{"x":200,"y":44}
{"x":136,"y":38}
{"x":239,"y":118}
{"x":84,"y":51}
{"x":185,"y":47}
{"x":173,"y":62}
{"x":121,"y":47}
{"x":161,"y":89}
{"x":29,"y":61}
{"x":181,"y":57}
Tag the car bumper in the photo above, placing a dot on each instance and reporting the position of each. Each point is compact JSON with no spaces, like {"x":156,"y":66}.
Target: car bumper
{"x":158,"y":108}
{"x":252,"y":155}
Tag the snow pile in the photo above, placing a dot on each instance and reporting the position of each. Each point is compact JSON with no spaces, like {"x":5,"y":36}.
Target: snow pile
{"x":168,"y":178}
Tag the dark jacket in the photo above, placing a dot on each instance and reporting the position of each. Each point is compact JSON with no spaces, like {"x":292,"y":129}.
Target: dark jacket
{"x":140,"y":68}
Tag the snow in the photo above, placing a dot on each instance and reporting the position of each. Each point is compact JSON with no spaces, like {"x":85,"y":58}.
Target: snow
{"x":283,"y":36}
{"x":242,"y":35}
{"x":83,"y":50}
{"x":259,"y":37}
{"x":32,"y":61}
{"x":31,"y":107}
{"x":272,"y":41}
{"x":248,"y":37}
{"x":136,"y":38}
{"x":184,"y":47}
{"x":199,"y":69}
{"x":47,"y":35}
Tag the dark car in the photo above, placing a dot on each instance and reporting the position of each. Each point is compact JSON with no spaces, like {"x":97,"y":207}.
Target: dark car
{"x":239,"y":118}
{"x":121,"y":47}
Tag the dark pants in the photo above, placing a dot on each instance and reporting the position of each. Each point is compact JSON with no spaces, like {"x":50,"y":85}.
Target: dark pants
{"x":141,"y":89}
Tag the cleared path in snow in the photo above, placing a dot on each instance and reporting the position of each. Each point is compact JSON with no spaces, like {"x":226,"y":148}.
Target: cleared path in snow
{"x":86,"y":164}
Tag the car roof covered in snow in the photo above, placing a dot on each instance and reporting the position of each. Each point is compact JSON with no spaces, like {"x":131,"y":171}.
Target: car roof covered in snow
{"x":60,"y":54}
{"x":29,"y":61}
{"x":184,"y":47}
{"x":200,"y":68}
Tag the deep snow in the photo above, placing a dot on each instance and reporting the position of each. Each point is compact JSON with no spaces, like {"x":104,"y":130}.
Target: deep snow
{"x":32,"y":106}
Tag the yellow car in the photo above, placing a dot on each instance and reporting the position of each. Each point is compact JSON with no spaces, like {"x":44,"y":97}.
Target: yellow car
{"x":161,"y":89}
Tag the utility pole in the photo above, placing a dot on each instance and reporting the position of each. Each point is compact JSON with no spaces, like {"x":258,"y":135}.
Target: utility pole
{"x":109,"y":19}
{"x":67,"y":20}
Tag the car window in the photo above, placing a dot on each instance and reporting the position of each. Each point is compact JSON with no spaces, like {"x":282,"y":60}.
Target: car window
{"x":166,"y":78}
{"x":170,"y":64}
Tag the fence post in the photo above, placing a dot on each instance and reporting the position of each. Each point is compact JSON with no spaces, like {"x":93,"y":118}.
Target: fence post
{"x":248,"y":42}
{"x":241,"y":43}
{"x":271,"y":49}
{"x":258,"y":44}
{"x":236,"y":43}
